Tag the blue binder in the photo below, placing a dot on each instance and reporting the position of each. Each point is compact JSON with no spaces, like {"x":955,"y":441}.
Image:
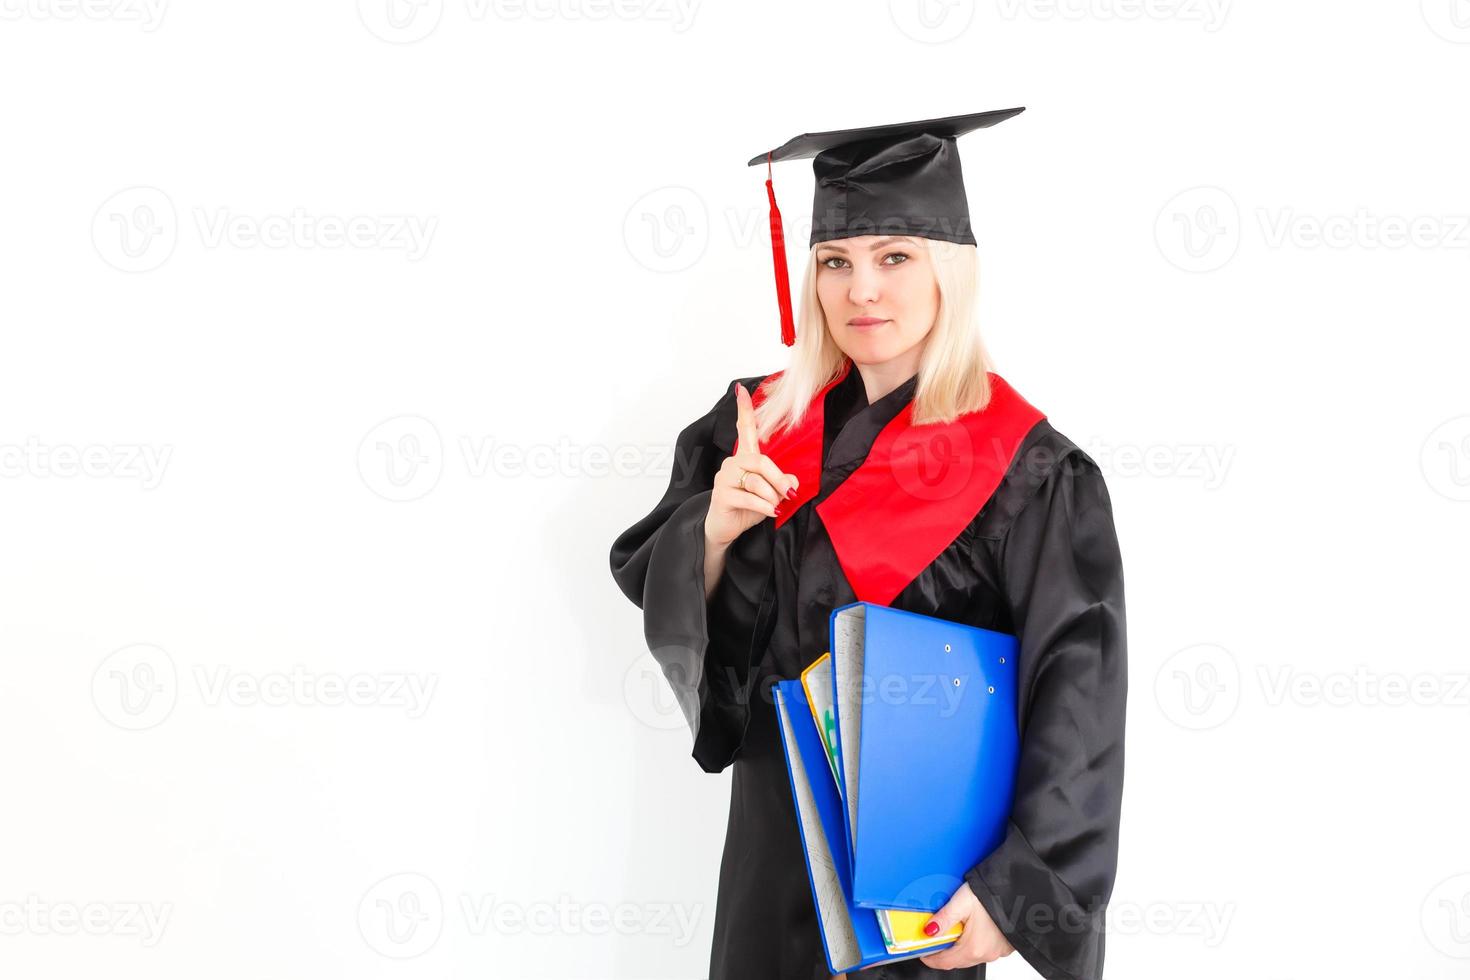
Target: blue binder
{"x":928,"y":745}
{"x":850,"y":935}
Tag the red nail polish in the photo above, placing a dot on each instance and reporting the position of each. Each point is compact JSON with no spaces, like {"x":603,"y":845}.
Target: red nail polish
{"x":790,"y":493}
{"x":931,"y":928}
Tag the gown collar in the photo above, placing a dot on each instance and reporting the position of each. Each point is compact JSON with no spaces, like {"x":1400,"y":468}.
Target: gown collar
{"x":859,"y":422}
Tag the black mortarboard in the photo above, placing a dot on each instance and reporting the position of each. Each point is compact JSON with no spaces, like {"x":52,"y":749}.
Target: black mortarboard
{"x":897,"y":179}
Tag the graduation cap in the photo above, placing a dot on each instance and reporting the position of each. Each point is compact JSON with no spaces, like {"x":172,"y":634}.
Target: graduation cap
{"x":897,"y":179}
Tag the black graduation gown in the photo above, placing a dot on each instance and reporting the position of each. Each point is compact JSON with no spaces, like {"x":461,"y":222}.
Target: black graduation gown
{"x":1040,"y":560}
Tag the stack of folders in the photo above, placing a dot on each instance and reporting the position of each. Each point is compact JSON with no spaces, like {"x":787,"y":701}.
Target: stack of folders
{"x":902,"y":746}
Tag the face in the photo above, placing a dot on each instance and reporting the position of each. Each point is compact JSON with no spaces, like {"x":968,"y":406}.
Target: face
{"x":878,"y":294}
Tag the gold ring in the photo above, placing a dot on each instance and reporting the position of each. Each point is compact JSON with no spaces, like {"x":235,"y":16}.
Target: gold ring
{"x":743,"y":475}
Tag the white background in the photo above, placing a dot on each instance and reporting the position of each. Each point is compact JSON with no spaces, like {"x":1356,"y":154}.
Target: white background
{"x":246,"y":460}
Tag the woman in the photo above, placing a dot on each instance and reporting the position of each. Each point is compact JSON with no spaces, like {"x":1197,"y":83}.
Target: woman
{"x":889,"y":391}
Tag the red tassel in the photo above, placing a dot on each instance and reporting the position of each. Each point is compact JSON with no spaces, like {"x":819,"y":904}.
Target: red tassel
{"x":778,"y":256}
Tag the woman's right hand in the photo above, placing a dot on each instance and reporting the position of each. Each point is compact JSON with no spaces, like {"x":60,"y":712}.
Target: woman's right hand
{"x":733,"y":511}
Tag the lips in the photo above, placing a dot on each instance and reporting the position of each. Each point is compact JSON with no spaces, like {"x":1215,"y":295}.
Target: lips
{"x":865,"y":321}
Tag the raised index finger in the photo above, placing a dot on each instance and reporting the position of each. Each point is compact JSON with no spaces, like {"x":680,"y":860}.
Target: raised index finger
{"x":745,"y":424}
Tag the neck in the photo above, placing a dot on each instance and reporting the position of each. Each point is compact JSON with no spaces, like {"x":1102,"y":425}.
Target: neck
{"x":882,"y":378}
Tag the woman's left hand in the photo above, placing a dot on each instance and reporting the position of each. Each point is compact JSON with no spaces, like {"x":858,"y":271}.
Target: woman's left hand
{"x":981,"y":942}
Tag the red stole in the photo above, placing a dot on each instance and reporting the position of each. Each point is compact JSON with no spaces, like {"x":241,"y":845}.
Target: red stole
{"x":915,"y":492}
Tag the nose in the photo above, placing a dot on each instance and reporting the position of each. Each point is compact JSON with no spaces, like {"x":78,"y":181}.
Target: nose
{"x":862,"y":288}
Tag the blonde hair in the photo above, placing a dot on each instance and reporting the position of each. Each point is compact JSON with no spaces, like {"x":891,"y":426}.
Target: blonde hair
{"x":953,"y":368}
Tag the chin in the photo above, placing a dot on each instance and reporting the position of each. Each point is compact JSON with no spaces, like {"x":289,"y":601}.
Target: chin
{"x":871,"y":350}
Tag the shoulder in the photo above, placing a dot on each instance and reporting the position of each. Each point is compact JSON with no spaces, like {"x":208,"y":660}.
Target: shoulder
{"x":1045,"y":458}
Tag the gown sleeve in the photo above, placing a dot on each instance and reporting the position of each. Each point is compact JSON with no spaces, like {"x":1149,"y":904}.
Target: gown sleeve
{"x":1048,"y":883}
{"x":702,"y":647}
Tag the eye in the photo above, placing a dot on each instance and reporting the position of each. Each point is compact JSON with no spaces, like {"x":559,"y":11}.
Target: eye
{"x":832,"y":258}
{"x":901,"y":256}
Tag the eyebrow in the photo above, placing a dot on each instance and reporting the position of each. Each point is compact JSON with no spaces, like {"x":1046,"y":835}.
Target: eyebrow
{"x":876,"y":245}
